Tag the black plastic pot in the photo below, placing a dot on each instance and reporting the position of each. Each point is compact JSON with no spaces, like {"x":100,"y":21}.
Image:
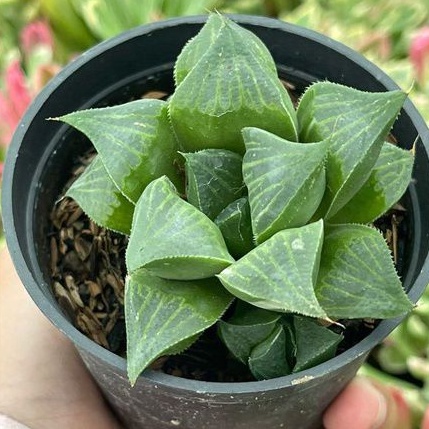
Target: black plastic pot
{"x":38,"y":166}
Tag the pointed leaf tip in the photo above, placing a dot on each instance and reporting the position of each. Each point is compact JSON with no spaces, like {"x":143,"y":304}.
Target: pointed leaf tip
{"x":232,"y":85}
{"x":285,"y":180}
{"x":385,"y":186}
{"x":356,"y":124}
{"x":179,"y":242}
{"x":280,"y":274}
{"x":164,"y":315}
{"x":357,"y":278}
{"x":101,"y":200}
{"x":196,"y":47}
{"x":134,"y":141}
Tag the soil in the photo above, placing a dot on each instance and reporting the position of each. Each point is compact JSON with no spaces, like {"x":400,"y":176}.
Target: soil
{"x":88,"y":271}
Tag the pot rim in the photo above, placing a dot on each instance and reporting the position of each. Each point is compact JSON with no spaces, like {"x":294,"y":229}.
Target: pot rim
{"x":83,"y":342}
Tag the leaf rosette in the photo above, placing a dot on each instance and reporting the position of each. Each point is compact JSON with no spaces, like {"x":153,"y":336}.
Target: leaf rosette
{"x":243,"y":212}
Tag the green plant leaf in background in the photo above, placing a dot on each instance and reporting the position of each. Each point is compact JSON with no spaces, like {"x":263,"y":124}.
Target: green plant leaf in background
{"x":68,"y":24}
{"x":185,"y":7}
{"x":285,"y":180}
{"x":214,"y":179}
{"x":387,"y":183}
{"x":173,"y":239}
{"x":356,"y":124}
{"x":233,"y":85}
{"x":79,"y":24}
{"x":357,"y":278}
{"x":162,"y":314}
{"x":235,"y":225}
{"x":246,"y":328}
{"x":269,"y":358}
{"x":280,"y":274}
{"x":101,"y":200}
{"x":133,"y":140}
{"x":106,"y":19}
{"x":314,"y":343}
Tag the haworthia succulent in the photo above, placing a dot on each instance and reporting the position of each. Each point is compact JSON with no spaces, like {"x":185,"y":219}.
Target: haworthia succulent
{"x":284,"y":210}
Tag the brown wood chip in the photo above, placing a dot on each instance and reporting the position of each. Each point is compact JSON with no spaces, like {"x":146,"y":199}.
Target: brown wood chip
{"x":88,"y":271}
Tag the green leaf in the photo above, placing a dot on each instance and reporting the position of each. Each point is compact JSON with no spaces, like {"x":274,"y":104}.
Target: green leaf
{"x":286,"y":181}
{"x":357,"y":278}
{"x":174,"y":8}
{"x":161,"y":315}
{"x":315,"y":343}
{"x":386,"y":185}
{"x":134,"y":141}
{"x":232,"y":86}
{"x":280,"y":273}
{"x":356,"y":124}
{"x":108,"y":19}
{"x":248,"y":326}
{"x":196,"y":47}
{"x":173,"y":239}
{"x":235,"y":225}
{"x":214,"y":179}
{"x":101,"y":200}
{"x":182,"y":345}
{"x":268,"y":359}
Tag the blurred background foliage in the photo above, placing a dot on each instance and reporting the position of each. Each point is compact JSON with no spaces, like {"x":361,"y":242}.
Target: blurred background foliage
{"x":38,"y":37}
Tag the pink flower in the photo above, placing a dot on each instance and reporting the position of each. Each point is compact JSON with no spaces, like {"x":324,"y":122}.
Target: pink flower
{"x":419,"y":53}
{"x":34,"y":35}
{"x":13,"y":101}
{"x":37,"y":47}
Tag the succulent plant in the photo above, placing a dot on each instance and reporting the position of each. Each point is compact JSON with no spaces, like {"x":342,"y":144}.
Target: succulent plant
{"x":243,"y":211}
